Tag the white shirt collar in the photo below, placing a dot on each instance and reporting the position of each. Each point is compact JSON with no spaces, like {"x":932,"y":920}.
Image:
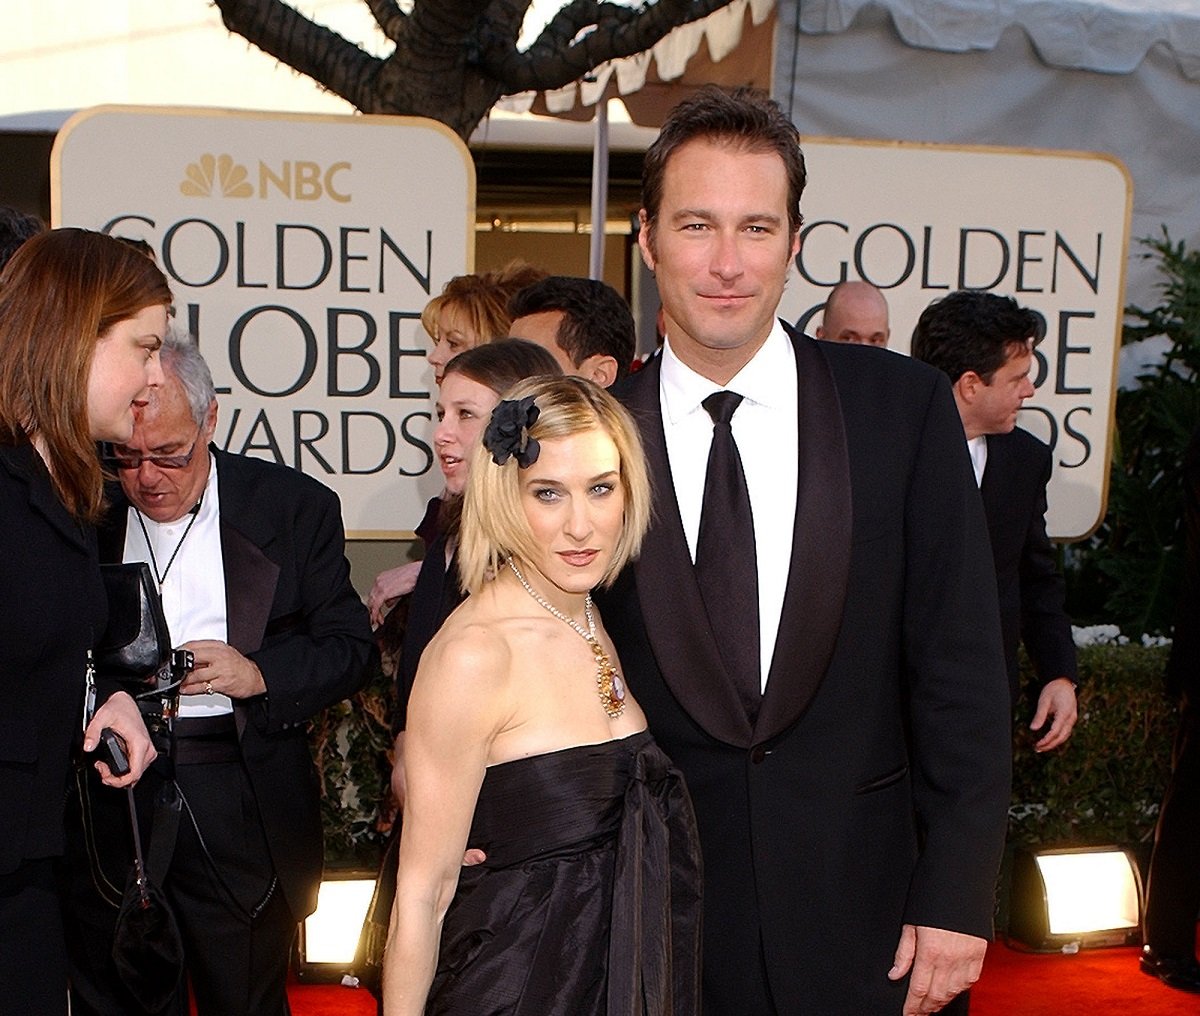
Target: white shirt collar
{"x":978,"y":448}
{"x":683,"y":390}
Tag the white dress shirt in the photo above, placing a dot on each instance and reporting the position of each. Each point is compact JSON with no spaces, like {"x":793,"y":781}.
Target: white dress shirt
{"x":764,"y":427}
{"x":193,"y":588}
{"x":977,"y":446}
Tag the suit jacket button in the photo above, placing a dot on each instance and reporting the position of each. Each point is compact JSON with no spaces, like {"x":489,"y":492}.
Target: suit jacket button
{"x":757,"y":754}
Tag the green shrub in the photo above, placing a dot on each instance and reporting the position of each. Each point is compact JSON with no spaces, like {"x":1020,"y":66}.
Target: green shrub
{"x":1106,"y":783}
{"x":1128,"y":572}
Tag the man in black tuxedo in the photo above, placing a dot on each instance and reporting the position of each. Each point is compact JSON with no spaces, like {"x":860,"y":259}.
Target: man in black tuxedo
{"x":1173,"y":889}
{"x":836,"y":701}
{"x":984,"y":344}
{"x":249,"y":557}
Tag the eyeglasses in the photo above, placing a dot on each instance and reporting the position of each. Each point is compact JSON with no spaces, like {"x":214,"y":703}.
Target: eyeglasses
{"x":121,"y":458}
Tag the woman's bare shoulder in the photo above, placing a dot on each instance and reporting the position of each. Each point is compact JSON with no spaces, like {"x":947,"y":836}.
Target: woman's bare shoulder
{"x":467,"y":643}
{"x":469,"y":656}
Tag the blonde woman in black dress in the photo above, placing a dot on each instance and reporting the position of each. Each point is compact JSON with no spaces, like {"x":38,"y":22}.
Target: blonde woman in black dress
{"x":523,"y":742}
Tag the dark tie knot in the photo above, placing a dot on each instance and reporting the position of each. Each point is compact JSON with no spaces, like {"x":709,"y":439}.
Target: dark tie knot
{"x":722,"y":405}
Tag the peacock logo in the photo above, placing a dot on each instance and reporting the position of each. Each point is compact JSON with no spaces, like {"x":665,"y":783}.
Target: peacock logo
{"x":216,"y":173}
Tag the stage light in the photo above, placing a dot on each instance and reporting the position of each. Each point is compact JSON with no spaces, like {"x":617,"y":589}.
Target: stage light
{"x":329,"y":935}
{"x":1069,"y":899}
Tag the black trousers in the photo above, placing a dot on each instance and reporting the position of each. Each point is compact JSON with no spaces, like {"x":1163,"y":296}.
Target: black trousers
{"x":237,"y":929}
{"x":33,"y":958}
{"x":1173,"y":889}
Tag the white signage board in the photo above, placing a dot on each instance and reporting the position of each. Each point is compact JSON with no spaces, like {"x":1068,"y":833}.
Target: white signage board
{"x":1050,"y":229}
{"x":300,"y":250}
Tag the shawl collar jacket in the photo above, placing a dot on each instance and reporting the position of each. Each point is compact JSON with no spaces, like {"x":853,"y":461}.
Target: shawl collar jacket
{"x":873,"y":789}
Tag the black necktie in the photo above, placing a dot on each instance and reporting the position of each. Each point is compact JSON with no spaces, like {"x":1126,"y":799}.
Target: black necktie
{"x":726,"y":567}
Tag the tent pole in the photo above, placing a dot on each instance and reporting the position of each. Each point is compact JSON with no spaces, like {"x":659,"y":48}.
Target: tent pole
{"x":599,"y":191}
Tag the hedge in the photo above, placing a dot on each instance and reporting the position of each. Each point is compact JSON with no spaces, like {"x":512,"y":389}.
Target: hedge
{"x":1105,"y":784}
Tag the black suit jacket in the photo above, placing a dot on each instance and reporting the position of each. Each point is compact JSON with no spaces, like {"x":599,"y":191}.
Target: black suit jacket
{"x":52,"y":611}
{"x":292,"y":610}
{"x":873,"y":788}
{"x":1029,"y":584}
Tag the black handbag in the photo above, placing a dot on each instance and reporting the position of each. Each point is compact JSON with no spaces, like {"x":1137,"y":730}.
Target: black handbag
{"x":135,"y":649}
{"x":136,"y":644}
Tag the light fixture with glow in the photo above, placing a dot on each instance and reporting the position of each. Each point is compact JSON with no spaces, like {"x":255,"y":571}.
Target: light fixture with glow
{"x":329,"y":935}
{"x":1074,"y":898}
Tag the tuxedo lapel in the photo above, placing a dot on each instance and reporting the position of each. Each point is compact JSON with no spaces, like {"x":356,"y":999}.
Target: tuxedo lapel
{"x":672,"y":610}
{"x":250,"y":576}
{"x":821,"y":540}
{"x":995,"y":480}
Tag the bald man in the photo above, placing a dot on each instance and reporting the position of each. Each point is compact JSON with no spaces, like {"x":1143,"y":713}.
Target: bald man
{"x":855,"y":312}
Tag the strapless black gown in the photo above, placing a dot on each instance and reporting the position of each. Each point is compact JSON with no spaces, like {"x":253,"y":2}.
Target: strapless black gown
{"x":589,"y":901}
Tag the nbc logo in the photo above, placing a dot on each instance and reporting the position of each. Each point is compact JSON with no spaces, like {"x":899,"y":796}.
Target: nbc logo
{"x":220,"y":176}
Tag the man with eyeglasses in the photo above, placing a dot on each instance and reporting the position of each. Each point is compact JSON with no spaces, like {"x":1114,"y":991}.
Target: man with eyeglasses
{"x":249,"y":558}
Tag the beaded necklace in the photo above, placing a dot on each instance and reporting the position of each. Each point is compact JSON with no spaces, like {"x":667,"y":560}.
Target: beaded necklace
{"x":608,"y":682}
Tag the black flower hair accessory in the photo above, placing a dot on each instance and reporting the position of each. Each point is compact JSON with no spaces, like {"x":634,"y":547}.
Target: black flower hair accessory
{"x":507,"y":433}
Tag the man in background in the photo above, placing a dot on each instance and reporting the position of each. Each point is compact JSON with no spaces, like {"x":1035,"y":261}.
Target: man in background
{"x":855,"y":311}
{"x":984,"y":344}
{"x":584,"y":323}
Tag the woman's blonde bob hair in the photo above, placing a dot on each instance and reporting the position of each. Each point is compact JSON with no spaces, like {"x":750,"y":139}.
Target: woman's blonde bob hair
{"x":494,"y":526}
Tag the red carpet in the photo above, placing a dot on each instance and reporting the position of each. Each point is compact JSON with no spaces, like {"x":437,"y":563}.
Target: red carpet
{"x":330,"y":1000}
{"x":1094,"y":982}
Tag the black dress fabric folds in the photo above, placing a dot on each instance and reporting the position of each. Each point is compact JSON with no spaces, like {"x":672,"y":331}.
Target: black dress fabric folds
{"x":589,"y":901}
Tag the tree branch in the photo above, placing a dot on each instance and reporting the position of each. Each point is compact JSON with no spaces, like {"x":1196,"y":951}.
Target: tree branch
{"x":388,"y":17}
{"x":555,"y":60}
{"x":326,"y":57}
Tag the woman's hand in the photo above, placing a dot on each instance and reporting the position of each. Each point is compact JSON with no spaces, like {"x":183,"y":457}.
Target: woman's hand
{"x":389,"y":586}
{"x":121,"y":713}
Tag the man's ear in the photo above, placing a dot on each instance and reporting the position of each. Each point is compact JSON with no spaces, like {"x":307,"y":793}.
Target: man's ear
{"x":967,"y":386}
{"x":210,"y":422}
{"x":599,"y":369}
{"x":645,"y":244}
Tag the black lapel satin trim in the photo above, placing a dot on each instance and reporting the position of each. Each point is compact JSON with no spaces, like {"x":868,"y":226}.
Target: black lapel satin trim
{"x":684,"y":647}
{"x":821,"y":540}
{"x":250,"y":576}
{"x":994,"y":471}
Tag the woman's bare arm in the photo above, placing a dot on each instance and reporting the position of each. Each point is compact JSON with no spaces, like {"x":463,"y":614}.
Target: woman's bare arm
{"x":458,"y":706}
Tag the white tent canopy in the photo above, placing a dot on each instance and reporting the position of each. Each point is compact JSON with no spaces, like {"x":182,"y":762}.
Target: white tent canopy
{"x":1112,"y":36}
{"x":1114,"y":76}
